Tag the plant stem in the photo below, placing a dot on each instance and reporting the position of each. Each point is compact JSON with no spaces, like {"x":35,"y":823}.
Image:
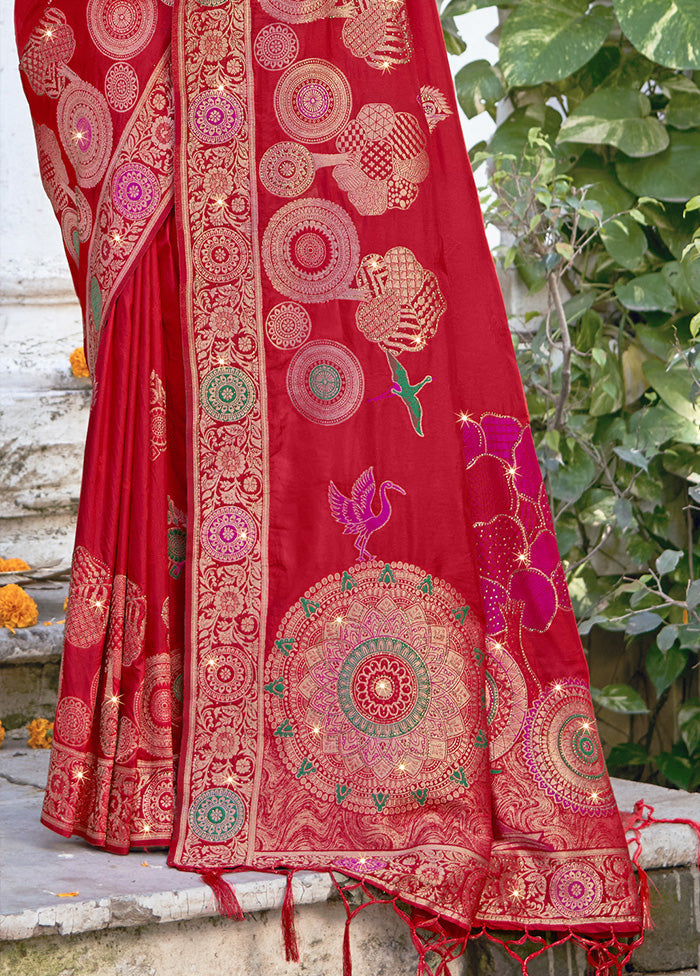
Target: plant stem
{"x":566,"y":352}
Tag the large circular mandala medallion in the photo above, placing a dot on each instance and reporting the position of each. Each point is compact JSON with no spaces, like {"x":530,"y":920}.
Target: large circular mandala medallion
{"x":85,"y":128}
{"x":288,"y":325}
{"x":325,"y":382}
{"x":576,"y":890}
{"x":135,"y":191}
{"x":122,"y":28}
{"x":121,"y":86}
{"x":215,"y":116}
{"x":563,"y":751}
{"x":221,"y":254}
{"x":287,"y":169}
{"x":298,"y":11}
{"x":276,"y":47}
{"x":374,"y":687}
{"x":216,"y":815}
{"x":313,"y":101}
{"x":229,"y":534}
{"x":311,"y":250}
{"x":506,"y":697}
{"x":227,"y":394}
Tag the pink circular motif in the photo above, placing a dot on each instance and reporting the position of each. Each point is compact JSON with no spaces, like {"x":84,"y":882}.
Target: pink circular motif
{"x":159,"y":800}
{"x":287,"y":169}
{"x":135,"y":191}
{"x":576,"y":889}
{"x":288,"y":325}
{"x":221,"y":254}
{"x":276,"y":47}
{"x":311,"y":250}
{"x":85,"y":128}
{"x":73,"y":722}
{"x":215,"y":116}
{"x":122,"y":28}
{"x":325,"y":382}
{"x":84,"y":215}
{"x":225,"y":674}
{"x":229,"y":534}
{"x":313,"y":101}
{"x":121,"y":86}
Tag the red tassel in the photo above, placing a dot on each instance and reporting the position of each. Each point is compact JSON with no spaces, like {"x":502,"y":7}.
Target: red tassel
{"x":645,"y":899}
{"x":347,"y":961}
{"x":289,"y":929}
{"x":226,"y":902}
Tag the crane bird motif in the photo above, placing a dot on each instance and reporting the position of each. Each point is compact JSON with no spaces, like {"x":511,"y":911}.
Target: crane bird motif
{"x":356,"y":514}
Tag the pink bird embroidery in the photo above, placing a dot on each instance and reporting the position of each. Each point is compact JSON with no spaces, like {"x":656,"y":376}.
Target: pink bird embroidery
{"x":356,"y":514}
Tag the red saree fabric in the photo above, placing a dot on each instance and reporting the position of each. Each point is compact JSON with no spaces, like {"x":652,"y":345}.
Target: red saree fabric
{"x":312,"y":510}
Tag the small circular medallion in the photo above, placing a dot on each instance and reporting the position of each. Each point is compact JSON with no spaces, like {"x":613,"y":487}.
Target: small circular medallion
{"x":221,"y":254}
{"x":288,"y":325}
{"x":122,"y":28}
{"x":216,"y":815}
{"x":325,"y":382}
{"x":73,"y":722}
{"x":227,"y":394}
{"x":287,"y":169}
{"x":135,"y":191}
{"x":311,"y":250}
{"x":276,"y":47}
{"x":576,"y":889}
{"x":313,"y":101}
{"x":229,"y":534}
{"x":225,"y":675}
{"x":121,"y":86}
{"x":215,"y":117}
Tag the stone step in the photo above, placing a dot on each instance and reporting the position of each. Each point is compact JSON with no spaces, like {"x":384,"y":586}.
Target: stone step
{"x":67,"y":909}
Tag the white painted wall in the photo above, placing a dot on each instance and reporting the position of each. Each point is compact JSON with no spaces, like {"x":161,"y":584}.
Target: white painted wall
{"x":43,"y":408}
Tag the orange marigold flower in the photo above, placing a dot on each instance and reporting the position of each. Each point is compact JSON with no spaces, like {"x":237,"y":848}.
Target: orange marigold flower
{"x":78,"y":363}
{"x":17,"y":609}
{"x":2,"y":733}
{"x":13,"y":565}
{"x":40,"y":733}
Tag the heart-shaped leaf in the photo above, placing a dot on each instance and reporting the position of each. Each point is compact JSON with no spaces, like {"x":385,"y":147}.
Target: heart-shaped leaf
{"x":663,"y":669}
{"x":479,"y":87}
{"x":665,"y":31}
{"x":673,"y":174}
{"x":546,"y":40}
{"x":616,"y":117}
{"x":646,"y":293}
{"x":619,"y":698}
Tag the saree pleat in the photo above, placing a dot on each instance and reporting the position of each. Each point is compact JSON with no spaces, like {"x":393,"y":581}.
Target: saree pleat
{"x":117,"y":731}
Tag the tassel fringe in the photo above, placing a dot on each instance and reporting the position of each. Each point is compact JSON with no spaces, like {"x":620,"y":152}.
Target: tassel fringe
{"x":227,"y":903}
{"x":289,"y":929}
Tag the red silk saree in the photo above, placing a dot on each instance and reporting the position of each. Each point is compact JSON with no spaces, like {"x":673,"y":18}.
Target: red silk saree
{"x":317,"y":617}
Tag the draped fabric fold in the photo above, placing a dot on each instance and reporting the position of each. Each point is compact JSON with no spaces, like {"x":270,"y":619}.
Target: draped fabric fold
{"x":317,"y":616}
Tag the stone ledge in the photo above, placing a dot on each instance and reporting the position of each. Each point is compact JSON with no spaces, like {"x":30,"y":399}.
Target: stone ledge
{"x":39,"y":644}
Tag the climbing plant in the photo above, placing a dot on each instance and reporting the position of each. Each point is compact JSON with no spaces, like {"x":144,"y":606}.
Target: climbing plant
{"x":594,"y":183}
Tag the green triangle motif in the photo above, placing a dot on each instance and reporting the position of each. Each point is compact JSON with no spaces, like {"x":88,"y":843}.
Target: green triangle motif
{"x":459,"y":776}
{"x":421,"y":795}
{"x":285,"y":645}
{"x":380,"y":800}
{"x":426,"y":585}
{"x":460,"y":614}
{"x":479,"y":655}
{"x":306,"y":769}
{"x":342,"y":792}
{"x":309,"y":607}
{"x":481,"y":742}
{"x":387,"y":574}
{"x":348,"y":582}
{"x":275,"y":687}
{"x":285,"y":729}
